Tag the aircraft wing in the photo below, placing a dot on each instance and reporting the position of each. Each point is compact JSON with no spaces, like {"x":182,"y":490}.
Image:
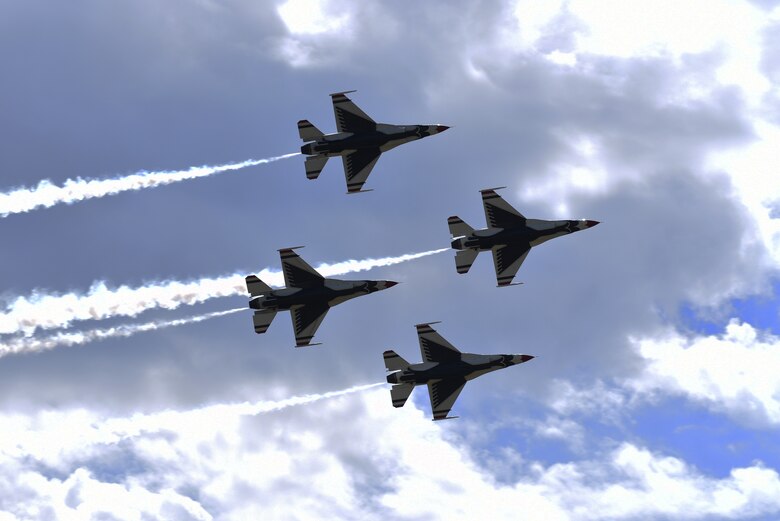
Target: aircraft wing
{"x":507,"y":260}
{"x":357,"y":167}
{"x":306,"y":320}
{"x":443,"y":394}
{"x":499,"y":213}
{"x":433,"y":347}
{"x":297,"y":273}
{"x":349,"y":117}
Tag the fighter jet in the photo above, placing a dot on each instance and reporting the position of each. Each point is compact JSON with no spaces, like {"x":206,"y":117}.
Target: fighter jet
{"x":445,"y":369}
{"x":308,"y":296}
{"x":359,"y":141}
{"x":509,"y":235}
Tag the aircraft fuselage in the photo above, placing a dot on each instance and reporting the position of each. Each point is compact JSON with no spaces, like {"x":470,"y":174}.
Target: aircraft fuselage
{"x":469,"y":366}
{"x":332,"y":292}
{"x":384,"y":138}
{"x":533,"y":233}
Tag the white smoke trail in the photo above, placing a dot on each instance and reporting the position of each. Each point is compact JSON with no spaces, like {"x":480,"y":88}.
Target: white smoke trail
{"x":219,"y":414}
{"x":43,"y":311}
{"x":52,"y":433}
{"x":34,"y":344}
{"x":46,"y":194}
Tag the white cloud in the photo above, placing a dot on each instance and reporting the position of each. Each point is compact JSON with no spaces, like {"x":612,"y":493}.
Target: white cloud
{"x":312,"y":17}
{"x":638,"y":28}
{"x":347,"y":458}
{"x":312,"y":24}
{"x":753,"y":170}
{"x":735,"y":373}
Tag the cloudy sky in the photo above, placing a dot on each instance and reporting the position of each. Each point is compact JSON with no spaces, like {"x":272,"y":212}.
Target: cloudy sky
{"x":131,"y":389}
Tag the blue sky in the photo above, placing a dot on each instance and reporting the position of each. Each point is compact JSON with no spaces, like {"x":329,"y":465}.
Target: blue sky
{"x":654,"y":394}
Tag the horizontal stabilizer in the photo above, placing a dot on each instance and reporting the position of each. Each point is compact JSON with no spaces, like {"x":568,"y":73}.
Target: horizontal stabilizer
{"x":262,"y":319}
{"x":464,"y":259}
{"x":308,"y":131}
{"x":400,"y":393}
{"x":256,"y":287}
{"x":314,"y":165}
{"x":394,"y":362}
{"x":458,"y":228}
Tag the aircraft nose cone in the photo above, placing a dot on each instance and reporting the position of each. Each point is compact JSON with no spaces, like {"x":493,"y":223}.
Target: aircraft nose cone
{"x":389,"y":284}
{"x":519,"y":359}
{"x":441,"y":128}
{"x":591,"y":224}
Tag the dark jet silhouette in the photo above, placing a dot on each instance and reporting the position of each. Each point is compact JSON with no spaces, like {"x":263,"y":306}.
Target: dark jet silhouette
{"x":359,"y":141}
{"x":509,"y":235}
{"x":444,"y":369}
{"x":308,"y":296}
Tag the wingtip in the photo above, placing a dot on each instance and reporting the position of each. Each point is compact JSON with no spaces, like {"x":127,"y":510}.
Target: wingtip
{"x":291,"y":248}
{"x":427,"y":324}
{"x":512,"y":284}
{"x":360,"y":191}
{"x":492,"y":189}
{"x":343,"y":92}
{"x":308,"y":345}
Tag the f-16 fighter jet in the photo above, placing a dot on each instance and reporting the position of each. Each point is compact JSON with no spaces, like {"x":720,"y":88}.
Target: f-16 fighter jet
{"x":308,"y":296}
{"x":359,"y":141}
{"x":509,"y":235}
{"x":445,"y":369}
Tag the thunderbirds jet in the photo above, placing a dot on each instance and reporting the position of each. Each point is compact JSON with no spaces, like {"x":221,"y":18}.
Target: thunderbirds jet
{"x":359,"y":141}
{"x":509,"y":235}
{"x":308,"y":296}
{"x":445,"y":369}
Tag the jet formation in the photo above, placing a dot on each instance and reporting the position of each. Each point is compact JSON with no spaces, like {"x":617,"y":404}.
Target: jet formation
{"x":444,"y":369}
{"x":307,"y":295}
{"x":509,"y":235}
{"x":359,"y":141}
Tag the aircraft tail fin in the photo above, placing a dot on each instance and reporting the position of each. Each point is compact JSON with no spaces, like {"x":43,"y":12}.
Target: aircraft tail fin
{"x":400,"y":393}
{"x":314,"y":165}
{"x":464,"y":259}
{"x":394,"y":362}
{"x":256,"y":287}
{"x":458,"y":228}
{"x":308,"y":131}
{"x":262,"y":320}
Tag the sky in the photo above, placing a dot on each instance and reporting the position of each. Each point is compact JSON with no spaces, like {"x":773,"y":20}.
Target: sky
{"x":145,"y":170}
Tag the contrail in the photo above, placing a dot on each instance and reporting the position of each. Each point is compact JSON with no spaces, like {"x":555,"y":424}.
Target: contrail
{"x":43,"y":311}
{"x":46,"y":194}
{"x":34,"y":345}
